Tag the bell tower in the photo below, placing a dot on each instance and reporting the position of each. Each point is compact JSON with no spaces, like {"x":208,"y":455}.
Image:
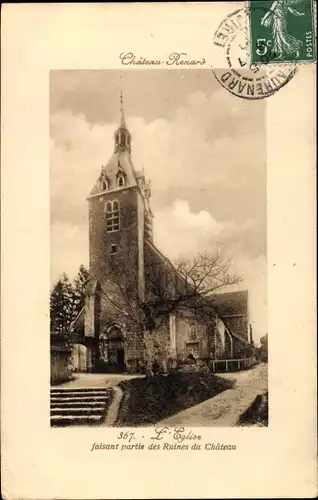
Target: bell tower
{"x":120,"y":217}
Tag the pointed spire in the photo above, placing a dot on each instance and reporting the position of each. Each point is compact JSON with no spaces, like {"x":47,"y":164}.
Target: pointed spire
{"x":122,"y":114}
{"x":122,"y":135}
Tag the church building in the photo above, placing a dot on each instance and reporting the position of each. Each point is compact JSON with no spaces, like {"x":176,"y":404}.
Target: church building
{"x":108,"y":335}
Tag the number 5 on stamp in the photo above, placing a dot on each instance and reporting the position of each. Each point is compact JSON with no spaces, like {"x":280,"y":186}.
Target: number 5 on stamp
{"x":282,"y":31}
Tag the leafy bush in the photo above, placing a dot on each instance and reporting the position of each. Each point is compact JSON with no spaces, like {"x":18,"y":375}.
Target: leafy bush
{"x":150,"y":399}
{"x":257,"y":413}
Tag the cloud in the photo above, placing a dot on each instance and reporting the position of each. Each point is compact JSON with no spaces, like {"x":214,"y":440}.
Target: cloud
{"x":206,"y":144}
{"x":77,"y":153}
{"x":196,"y":148}
{"x":179,"y":231}
{"x":69,"y":249}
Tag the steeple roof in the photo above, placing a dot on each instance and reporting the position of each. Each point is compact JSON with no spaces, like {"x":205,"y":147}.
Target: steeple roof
{"x":122,"y":113}
{"x":120,"y":162}
{"x":122,"y":135}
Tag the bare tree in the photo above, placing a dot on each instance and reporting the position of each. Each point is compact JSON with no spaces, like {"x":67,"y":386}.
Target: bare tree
{"x":189,"y":286}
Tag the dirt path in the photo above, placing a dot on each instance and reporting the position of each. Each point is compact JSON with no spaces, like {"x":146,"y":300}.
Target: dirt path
{"x":112,"y":413}
{"x":225,"y":409}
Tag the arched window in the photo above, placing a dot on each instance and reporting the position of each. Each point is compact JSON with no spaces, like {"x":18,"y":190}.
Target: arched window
{"x":103,"y":183}
{"x":121,"y":181}
{"x":112,"y":216}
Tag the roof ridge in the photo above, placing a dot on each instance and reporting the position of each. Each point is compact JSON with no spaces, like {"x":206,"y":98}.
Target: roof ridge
{"x":232,"y":292}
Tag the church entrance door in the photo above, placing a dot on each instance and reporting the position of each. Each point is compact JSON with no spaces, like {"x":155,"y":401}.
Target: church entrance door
{"x":114,"y":350}
{"x":121,"y":358}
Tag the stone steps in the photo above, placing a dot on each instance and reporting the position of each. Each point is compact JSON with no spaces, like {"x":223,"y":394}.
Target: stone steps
{"x":77,"y":411}
{"x":68,"y":420}
{"x":78,"y":392}
{"x":77,"y":404}
{"x":82,"y":406}
{"x":86,"y":399}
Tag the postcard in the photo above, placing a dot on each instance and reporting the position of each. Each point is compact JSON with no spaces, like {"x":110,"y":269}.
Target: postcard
{"x":158,"y":250}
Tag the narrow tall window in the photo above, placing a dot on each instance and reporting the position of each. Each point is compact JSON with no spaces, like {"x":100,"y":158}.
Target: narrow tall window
{"x":121,"y":181}
{"x":104,"y":185}
{"x":112,"y":216}
{"x":103,"y":182}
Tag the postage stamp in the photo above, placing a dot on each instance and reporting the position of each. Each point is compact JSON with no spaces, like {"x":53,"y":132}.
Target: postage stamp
{"x":282,"y":31}
{"x":240,"y":76}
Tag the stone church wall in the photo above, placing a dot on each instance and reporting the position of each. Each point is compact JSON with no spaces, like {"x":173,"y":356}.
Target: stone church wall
{"x":194,"y":337}
{"x":60,"y":364}
{"x":239,"y":324}
{"x":242,"y":349}
{"x":127,"y":269}
{"x":132,"y":333}
{"x":125,"y":240}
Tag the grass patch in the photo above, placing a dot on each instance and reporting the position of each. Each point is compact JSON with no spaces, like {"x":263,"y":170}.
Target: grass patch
{"x":151,"y":399}
{"x":257,"y":413}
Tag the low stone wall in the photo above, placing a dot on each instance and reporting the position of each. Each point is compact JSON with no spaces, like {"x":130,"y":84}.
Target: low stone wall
{"x":61,"y":370}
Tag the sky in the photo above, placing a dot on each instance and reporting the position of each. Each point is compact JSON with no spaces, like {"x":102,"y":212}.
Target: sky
{"x":203,"y":149}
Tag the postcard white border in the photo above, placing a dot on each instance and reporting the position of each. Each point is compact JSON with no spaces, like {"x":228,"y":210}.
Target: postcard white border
{"x":39,"y":462}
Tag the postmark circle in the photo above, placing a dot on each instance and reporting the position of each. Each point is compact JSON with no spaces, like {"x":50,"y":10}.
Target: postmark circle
{"x":241,"y":77}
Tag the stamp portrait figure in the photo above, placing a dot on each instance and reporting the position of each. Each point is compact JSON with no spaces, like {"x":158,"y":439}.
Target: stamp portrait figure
{"x":275,"y":18}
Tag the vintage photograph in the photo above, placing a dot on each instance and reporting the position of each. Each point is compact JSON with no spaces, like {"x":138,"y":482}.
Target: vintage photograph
{"x":158,"y":299}
{"x":158,"y":250}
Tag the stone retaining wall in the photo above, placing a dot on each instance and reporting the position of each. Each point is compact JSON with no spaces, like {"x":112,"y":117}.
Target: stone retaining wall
{"x":61,"y":370}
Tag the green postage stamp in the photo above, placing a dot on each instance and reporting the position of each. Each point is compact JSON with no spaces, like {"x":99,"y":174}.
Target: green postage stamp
{"x":282,"y":31}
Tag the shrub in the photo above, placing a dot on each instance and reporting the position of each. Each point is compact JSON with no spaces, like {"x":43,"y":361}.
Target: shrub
{"x":151,"y":399}
{"x":257,"y":413}
{"x":157,"y":367}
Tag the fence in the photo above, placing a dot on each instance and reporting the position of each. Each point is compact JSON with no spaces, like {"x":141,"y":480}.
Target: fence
{"x":232,"y":365}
